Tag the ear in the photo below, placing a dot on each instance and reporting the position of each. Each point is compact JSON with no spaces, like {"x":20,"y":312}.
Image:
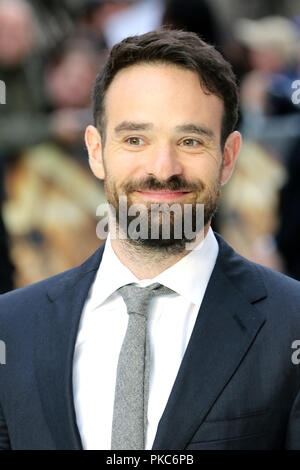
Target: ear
{"x":95,"y":150}
{"x":231,"y":150}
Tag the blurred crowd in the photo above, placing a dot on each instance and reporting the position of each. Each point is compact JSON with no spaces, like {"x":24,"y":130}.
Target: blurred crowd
{"x":50,"y":53}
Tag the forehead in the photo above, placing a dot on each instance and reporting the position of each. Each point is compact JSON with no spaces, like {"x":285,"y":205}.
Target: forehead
{"x":164,"y":94}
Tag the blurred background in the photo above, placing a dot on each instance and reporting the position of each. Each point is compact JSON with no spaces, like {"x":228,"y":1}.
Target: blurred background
{"x":50,"y":53}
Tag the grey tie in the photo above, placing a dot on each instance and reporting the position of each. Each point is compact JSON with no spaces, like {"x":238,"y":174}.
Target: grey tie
{"x":132,"y":383}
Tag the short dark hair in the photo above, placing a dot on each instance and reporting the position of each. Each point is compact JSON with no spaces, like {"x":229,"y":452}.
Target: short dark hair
{"x":169,"y":46}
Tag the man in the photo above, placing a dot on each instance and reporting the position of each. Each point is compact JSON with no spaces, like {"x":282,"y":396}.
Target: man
{"x":213,"y":365}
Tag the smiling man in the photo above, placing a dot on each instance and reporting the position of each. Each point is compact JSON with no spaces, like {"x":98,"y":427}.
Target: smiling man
{"x":151,"y":344}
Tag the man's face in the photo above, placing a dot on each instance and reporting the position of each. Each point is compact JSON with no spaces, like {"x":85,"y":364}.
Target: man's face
{"x":162,"y":143}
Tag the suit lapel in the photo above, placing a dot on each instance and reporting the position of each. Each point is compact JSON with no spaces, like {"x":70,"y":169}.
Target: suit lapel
{"x":57,"y":329}
{"x":226,"y":326}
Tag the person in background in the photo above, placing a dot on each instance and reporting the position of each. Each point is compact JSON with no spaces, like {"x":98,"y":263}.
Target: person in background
{"x":267,"y":110}
{"x":271,"y":120}
{"x":47,"y":102}
{"x":21,"y":68}
{"x":69,"y":73}
{"x":50,"y":175}
{"x":17,"y":39}
{"x":287,"y":235}
{"x":286,"y":97}
{"x":93,"y":16}
{"x":28,"y":108}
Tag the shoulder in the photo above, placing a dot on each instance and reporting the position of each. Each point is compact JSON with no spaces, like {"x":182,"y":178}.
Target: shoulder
{"x":35,"y":296}
{"x":283,"y":295}
{"x":23,"y":302}
{"x":255,"y":280}
{"x":278,"y":282}
{"x":34,"y":290}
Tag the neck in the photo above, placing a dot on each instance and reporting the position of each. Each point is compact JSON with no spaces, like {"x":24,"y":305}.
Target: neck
{"x":147,"y":263}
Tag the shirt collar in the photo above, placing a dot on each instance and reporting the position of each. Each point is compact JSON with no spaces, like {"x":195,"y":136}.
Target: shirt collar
{"x":188,"y":277}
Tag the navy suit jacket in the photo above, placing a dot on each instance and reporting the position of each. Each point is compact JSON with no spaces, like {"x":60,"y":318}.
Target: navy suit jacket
{"x":237,"y":387}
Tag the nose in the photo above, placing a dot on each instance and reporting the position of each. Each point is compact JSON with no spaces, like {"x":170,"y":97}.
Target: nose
{"x":163,"y":162}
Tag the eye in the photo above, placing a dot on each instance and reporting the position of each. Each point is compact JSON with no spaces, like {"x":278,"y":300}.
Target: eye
{"x":134,"y":141}
{"x":190,"y":142}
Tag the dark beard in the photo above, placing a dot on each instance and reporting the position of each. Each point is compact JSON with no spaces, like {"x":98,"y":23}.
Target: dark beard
{"x":171,"y":244}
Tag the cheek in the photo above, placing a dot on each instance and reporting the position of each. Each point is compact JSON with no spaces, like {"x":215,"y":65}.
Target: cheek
{"x":207,"y":170}
{"x":119,"y":172}
{"x":120,"y":165}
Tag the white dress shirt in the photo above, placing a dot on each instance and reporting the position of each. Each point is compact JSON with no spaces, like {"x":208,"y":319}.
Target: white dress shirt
{"x":102,"y":329}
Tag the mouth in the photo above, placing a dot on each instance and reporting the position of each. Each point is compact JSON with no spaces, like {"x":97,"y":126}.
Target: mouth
{"x":164,"y":195}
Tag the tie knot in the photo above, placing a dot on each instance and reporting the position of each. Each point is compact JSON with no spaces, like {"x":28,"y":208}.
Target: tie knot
{"x":137,"y":298}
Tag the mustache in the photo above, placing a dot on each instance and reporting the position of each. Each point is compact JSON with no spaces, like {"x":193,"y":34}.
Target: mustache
{"x":174,"y":183}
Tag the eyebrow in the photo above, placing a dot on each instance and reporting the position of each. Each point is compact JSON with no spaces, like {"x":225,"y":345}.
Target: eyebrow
{"x":200,"y":130}
{"x":189,"y":128}
{"x":133,"y":126}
